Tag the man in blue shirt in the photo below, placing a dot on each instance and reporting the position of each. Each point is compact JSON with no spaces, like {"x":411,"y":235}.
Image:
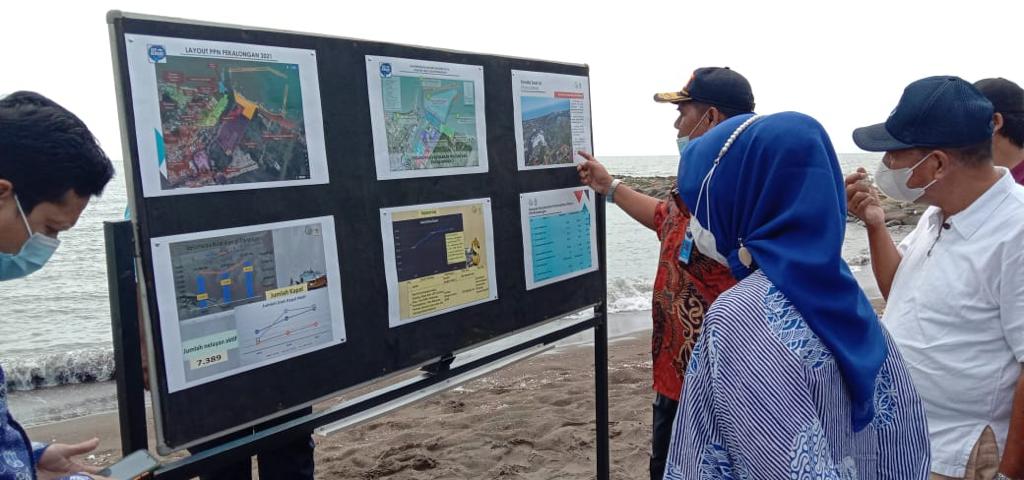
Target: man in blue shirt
{"x":50,"y":167}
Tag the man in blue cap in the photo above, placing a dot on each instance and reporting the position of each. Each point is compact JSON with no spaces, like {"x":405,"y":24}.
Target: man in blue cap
{"x":955,"y":285}
{"x":682,"y":291}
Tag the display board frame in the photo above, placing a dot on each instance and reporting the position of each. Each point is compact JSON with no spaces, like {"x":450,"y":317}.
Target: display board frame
{"x":354,"y":197}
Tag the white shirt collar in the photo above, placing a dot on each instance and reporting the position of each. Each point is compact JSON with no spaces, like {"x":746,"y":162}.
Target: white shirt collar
{"x":971,"y":218}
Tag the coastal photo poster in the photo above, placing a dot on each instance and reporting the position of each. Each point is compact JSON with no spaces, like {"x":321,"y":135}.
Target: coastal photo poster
{"x":552,"y":119}
{"x":219,"y":116}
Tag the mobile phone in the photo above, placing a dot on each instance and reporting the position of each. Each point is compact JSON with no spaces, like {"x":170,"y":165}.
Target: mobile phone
{"x":135,"y":465}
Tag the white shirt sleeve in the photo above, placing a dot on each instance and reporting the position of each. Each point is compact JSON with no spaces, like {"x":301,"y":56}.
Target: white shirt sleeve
{"x":1011,"y":301}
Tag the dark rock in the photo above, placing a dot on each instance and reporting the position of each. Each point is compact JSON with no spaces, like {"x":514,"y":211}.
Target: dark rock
{"x":896,"y":213}
{"x":656,"y":187}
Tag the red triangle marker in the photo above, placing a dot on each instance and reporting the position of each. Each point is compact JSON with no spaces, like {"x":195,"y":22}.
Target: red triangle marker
{"x":579,"y":195}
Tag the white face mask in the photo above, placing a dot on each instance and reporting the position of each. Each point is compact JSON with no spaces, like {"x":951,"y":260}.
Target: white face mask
{"x":893,"y":182}
{"x":705,"y":241}
{"x":696,"y":234}
{"x":682,"y":142}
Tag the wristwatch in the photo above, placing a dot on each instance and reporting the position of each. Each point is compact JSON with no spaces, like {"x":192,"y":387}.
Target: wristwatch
{"x":610,"y":195}
{"x":1000,"y":476}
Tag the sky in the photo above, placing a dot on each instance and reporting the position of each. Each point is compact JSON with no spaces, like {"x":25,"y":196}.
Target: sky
{"x":844,"y":63}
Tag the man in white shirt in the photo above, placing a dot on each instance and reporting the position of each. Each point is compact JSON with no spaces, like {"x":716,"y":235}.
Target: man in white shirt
{"x":955,"y":285}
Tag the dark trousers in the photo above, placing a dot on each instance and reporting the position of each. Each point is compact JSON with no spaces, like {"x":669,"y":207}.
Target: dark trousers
{"x":661,"y":433}
{"x":293,"y":461}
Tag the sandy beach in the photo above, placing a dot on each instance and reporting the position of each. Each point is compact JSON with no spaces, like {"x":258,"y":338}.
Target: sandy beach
{"x":533,"y":420}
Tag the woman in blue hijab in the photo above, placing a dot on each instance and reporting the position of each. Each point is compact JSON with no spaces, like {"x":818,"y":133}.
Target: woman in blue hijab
{"x":793,"y":376}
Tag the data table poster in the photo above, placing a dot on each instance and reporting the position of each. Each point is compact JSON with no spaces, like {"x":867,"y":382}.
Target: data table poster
{"x":437,"y":258}
{"x":235,"y":299}
{"x":559,"y":235}
{"x":218,"y":116}
{"x":552,"y":119}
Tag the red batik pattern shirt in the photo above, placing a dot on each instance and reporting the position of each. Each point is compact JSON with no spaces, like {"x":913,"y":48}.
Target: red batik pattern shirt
{"x":682,"y":294}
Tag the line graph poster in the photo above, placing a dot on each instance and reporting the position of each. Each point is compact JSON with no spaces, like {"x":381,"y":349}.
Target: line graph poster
{"x":232,"y":300}
{"x":217,"y":116}
{"x":559,"y":235}
{"x":437,"y":258}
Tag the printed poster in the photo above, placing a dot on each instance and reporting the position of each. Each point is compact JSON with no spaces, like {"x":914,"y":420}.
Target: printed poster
{"x":437,"y":258}
{"x":218,"y":116}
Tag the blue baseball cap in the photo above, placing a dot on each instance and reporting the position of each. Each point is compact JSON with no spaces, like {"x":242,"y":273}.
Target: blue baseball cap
{"x":942,"y":111}
{"x":717,"y":86}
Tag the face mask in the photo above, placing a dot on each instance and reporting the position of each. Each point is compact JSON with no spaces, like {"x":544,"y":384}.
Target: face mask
{"x":893,"y":183}
{"x":696,"y":234}
{"x":35,"y":252}
{"x":682,"y":142}
{"x":705,"y":241}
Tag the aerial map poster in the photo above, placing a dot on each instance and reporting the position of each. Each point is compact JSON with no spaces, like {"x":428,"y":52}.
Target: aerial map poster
{"x":235,"y":299}
{"x":216,"y":116}
{"x":427,"y":117}
{"x":437,"y":258}
{"x":552,"y":119}
{"x":559,"y":235}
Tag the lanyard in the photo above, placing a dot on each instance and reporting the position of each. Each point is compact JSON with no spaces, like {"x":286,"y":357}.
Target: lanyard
{"x":686,"y":249}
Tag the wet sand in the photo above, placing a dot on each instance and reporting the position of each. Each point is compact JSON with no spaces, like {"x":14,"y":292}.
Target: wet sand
{"x":533,"y":420}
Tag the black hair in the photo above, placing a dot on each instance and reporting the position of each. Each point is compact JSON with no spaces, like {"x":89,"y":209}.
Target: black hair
{"x":46,"y":151}
{"x":1013,"y":128}
{"x":726,"y":111}
{"x":974,"y":155}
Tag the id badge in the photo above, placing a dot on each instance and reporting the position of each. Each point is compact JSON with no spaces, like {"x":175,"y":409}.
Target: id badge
{"x":686,"y":248}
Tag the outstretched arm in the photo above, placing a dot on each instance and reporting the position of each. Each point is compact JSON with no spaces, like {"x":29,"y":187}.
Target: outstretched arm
{"x":639,"y":206}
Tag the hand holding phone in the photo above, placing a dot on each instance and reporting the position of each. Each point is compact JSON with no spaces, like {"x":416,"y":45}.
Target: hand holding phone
{"x":131,"y":467}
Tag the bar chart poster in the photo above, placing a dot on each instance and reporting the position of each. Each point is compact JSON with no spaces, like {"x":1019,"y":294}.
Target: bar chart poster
{"x":559,"y":235}
{"x":437,"y":258}
{"x":235,"y":299}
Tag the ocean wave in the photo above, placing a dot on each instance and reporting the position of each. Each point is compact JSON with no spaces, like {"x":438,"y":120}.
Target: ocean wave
{"x":31,"y":372}
{"x":59,"y":368}
{"x":629,"y":294}
{"x":625,"y":294}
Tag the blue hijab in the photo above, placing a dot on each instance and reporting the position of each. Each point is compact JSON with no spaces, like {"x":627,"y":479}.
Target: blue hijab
{"x":779,"y":189}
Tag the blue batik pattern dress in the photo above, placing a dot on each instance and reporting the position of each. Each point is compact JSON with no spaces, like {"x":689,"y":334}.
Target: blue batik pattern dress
{"x":18,"y":456}
{"x":764,"y":399}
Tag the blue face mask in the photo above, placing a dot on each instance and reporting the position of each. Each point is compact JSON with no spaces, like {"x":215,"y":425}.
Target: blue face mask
{"x":35,"y":252}
{"x":682,"y":142}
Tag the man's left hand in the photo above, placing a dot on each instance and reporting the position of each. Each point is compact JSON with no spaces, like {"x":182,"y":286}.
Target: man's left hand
{"x":56,"y":460}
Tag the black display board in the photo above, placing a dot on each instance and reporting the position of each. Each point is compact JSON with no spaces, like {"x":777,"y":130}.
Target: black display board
{"x":354,"y":198}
